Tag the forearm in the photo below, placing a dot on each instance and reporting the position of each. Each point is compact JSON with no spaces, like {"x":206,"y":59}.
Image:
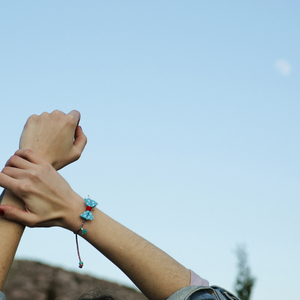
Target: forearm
{"x":156,"y":274}
{"x":10,"y":235}
{"x":153,"y":271}
{"x":52,"y":137}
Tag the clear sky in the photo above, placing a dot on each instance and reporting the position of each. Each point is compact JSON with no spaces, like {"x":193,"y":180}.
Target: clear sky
{"x":191,"y":109}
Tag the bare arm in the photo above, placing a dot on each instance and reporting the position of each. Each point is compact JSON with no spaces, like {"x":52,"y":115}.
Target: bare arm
{"x":154,"y":272}
{"x":51,"y":136}
{"x":10,"y":235}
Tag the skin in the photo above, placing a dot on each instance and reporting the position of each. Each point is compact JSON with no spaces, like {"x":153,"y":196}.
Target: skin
{"x":50,"y":201}
{"x":59,"y":140}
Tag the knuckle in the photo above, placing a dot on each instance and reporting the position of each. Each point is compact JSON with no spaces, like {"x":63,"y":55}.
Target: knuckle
{"x":71,"y":119}
{"x":57,"y":112}
{"x":77,"y":113}
{"x":32,"y":118}
{"x":5,"y":170}
{"x":13,"y":160}
{"x":24,"y":187}
{"x":44,"y":114}
{"x":33,"y":174}
{"x":28,"y":152}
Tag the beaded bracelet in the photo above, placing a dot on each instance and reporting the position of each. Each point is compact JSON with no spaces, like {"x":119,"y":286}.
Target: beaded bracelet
{"x":86,"y":216}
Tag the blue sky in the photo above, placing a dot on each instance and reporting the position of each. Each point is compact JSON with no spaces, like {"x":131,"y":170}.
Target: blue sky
{"x":191,"y":109}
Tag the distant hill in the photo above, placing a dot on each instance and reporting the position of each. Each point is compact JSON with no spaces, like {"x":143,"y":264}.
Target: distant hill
{"x":29,"y":280}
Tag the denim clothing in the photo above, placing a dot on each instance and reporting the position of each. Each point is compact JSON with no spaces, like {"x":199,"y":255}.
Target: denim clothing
{"x":202,"y":293}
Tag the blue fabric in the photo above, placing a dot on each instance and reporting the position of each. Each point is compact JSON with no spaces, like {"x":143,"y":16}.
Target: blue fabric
{"x":202,"y":293}
{"x":2,"y":296}
{"x":88,"y":214}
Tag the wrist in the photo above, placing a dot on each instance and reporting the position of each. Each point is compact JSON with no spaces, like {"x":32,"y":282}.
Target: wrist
{"x":8,"y":198}
{"x":43,"y":153}
{"x":72,"y":219}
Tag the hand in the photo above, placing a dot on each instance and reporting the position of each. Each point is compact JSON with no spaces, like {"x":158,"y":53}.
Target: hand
{"x":56,"y":137}
{"x":49,"y":199}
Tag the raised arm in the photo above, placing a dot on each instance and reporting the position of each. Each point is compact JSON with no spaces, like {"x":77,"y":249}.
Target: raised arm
{"x":10,"y":235}
{"x":155,"y":273}
{"x":55,"y":137}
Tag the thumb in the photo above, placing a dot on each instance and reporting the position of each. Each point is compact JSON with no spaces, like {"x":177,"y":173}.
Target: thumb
{"x":80,"y":139}
{"x":12,"y":213}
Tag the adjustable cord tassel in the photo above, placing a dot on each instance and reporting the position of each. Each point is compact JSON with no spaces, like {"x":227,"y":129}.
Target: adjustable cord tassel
{"x":83,"y":231}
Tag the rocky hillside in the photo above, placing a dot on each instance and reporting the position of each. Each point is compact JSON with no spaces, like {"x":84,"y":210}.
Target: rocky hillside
{"x":30,"y":280}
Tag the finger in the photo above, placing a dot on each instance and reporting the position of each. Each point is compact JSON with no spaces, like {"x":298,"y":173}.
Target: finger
{"x":8,"y":182}
{"x":80,"y":139}
{"x":75,"y":114}
{"x":29,"y":156}
{"x":18,"y":162}
{"x":13,"y":172}
{"x":18,"y":215}
{"x":32,"y":119}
